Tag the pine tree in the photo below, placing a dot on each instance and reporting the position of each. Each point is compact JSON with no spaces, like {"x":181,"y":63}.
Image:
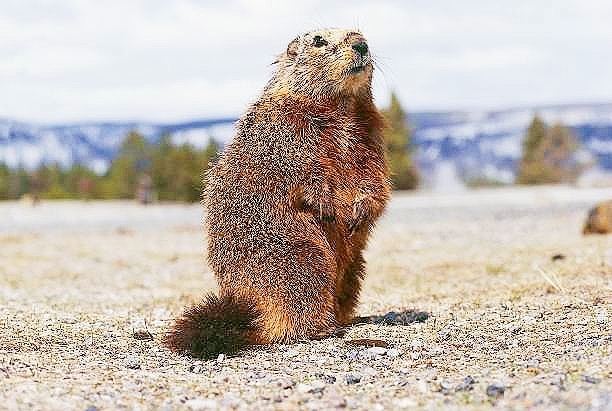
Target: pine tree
{"x":548,"y":154}
{"x":404,"y":174}
{"x":130,"y":164}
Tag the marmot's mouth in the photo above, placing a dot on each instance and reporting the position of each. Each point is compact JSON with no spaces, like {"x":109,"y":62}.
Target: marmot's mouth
{"x":357,"y":69}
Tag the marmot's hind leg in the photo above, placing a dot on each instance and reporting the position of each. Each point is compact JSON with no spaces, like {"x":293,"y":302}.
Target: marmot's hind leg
{"x":348,"y":290}
{"x":302,"y":303}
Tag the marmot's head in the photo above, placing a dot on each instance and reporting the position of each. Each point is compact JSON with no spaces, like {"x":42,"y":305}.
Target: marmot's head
{"x":325,"y":63}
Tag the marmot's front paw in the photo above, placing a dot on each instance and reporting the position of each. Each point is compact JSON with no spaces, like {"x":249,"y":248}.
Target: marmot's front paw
{"x":360,"y":214}
{"x":318,"y":203}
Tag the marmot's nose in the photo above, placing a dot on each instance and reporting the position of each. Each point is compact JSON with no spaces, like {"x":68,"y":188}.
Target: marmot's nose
{"x":361,"y":47}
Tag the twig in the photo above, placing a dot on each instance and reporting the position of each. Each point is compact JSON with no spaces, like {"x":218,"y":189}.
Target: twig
{"x":552,"y":280}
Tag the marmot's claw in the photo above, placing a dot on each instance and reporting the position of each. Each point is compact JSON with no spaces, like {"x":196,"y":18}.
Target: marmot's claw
{"x":326,"y":212}
{"x":328,"y":218}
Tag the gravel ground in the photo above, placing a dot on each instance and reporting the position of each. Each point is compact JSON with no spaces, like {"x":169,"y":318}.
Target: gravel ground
{"x":519,"y":309}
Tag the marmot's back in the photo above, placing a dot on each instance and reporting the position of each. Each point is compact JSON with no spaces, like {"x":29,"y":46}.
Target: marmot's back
{"x":291,"y":202}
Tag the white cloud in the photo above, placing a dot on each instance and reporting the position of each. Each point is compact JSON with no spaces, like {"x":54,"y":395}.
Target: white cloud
{"x":156,"y":59}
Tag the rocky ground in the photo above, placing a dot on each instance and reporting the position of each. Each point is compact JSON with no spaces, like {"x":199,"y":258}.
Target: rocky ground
{"x":484,"y":299}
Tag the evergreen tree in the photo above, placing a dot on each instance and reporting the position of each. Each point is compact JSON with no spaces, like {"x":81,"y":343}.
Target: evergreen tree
{"x":131,"y":163}
{"x":5,"y":175}
{"x":548,"y":154}
{"x":529,"y":168}
{"x":404,"y":173}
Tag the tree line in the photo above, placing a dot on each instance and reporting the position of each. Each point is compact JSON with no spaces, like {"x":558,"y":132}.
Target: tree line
{"x":168,"y":172}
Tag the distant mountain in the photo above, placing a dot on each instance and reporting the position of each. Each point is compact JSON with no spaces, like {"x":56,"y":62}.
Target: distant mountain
{"x":468,"y":144}
{"x":487,"y":144}
{"x":94,"y":144}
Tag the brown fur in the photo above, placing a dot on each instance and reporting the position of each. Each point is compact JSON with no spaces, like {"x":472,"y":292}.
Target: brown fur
{"x":292,"y":200}
{"x":599,"y":219}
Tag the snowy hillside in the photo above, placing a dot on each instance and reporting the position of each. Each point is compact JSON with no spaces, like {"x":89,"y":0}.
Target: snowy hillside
{"x":487,"y":144}
{"x":468,"y":145}
{"x":94,"y":144}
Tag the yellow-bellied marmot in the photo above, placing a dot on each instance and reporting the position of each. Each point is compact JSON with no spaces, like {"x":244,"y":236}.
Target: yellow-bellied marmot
{"x":291,"y":202}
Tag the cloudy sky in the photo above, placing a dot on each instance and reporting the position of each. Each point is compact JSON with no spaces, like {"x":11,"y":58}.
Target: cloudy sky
{"x":172,"y":60}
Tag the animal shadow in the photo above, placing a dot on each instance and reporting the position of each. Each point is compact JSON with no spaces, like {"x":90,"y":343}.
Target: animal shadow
{"x":406,"y":317}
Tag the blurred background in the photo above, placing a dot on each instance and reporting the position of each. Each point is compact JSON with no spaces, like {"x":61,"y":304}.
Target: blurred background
{"x":132,"y":99}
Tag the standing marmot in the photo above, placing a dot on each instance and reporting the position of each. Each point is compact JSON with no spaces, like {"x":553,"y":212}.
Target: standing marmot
{"x":291,"y":202}
{"x":599,"y":219}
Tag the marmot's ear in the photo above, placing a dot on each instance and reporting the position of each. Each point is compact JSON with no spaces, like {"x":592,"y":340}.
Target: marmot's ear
{"x":292,"y":48}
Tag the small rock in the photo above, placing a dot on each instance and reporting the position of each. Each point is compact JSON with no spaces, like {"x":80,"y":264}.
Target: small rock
{"x":335,"y":400}
{"x":557,"y":257}
{"x":444,"y":334}
{"x":317,"y":386}
{"x":132,"y":362}
{"x":304,"y":388}
{"x":446,"y":387}
{"x":416,"y":344}
{"x":352,"y":355}
{"x":590,"y":379}
{"x":369,"y":372}
{"x":142,"y":335}
{"x":466,"y":384}
{"x":285,"y":383}
{"x":374,"y":351}
{"x":353,"y":378}
{"x":496,"y":390}
{"x":196,"y":368}
{"x":405,"y":403}
{"x":220,"y":358}
{"x":200,"y":404}
{"x":559,"y":381}
{"x":390,"y":317}
{"x":291,"y":353}
{"x":92,"y":408}
{"x":421,"y":385}
{"x":404,"y":371}
{"x":328,"y":379}
{"x":393,"y":353}
{"x":231,"y":401}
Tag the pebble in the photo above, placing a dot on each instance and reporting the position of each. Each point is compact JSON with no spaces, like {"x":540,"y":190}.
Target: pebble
{"x":446,"y":387}
{"x":328,"y":379}
{"x":352,"y":355}
{"x":285,"y":383}
{"x":197,"y":367}
{"x":231,"y":401}
{"x":496,"y":390}
{"x":404,"y":403}
{"x":374,"y":352}
{"x":200,"y":404}
{"x":369,"y":372}
{"x":466,"y":385}
{"x":353,"y":378}
{"x":393,"y":353}
{"x":590,"y":379}
{"x":444,"y":334}
{"x":304,"y":388}
{"x":318,"y":386}
{"x":142,"y":335}
{"x":132,"y":362}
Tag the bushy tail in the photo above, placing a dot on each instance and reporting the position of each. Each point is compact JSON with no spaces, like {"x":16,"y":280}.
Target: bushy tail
{"x":216,"y":325}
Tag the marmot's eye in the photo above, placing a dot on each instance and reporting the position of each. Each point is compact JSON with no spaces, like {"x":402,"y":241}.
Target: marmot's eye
{"x":319,"y":41}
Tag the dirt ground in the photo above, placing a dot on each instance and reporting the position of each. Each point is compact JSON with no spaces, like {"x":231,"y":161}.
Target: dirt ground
{"x":519,"y":310}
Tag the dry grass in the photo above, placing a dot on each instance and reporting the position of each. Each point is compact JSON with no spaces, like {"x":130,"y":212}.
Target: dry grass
{"x":77,"y":280}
